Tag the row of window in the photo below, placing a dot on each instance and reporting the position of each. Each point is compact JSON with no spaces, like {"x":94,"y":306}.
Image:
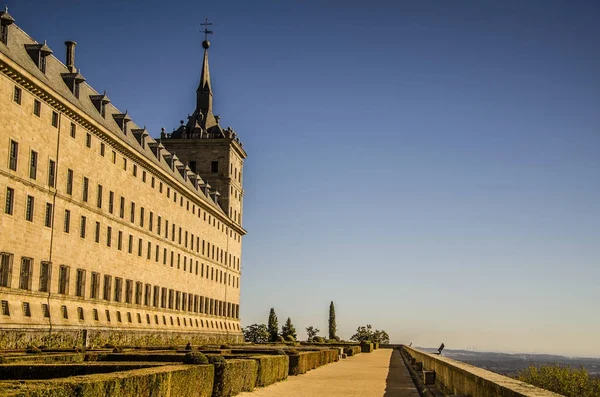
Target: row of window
{"x":189,"y":239}
{"x":127,"y":291}
{"x":181,"y":321}
{"x":88,"y":142}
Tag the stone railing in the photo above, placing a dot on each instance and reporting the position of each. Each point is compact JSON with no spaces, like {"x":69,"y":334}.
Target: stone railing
{"x":458,"y":378}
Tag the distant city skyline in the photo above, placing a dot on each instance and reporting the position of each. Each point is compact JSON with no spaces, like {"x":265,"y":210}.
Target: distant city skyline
{"x":431,"y":167}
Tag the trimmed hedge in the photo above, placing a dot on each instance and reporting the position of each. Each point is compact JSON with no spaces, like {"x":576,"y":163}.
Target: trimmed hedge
{"x":162,"y":381}
{"x":352,"y":350}
{"x":375,"y":345}
{"x":157,"y":357}
{"x":302,"y":362}
{"x":233,"y":377}
{"x":271,"y":369}
{"x":366,"y":347}
{"x":51,"y":371}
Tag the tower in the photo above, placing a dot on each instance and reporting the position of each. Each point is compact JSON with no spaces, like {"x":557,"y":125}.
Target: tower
{"x":213,"y":152}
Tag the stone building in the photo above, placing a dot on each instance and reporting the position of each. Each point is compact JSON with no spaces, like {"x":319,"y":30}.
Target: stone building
{"x":106,"y":234}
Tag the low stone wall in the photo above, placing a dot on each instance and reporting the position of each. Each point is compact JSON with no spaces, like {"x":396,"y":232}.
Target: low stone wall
{"x":459,"y":378}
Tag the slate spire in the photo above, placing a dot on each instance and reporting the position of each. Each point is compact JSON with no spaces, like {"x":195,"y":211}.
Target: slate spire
{"x":204,"y":92}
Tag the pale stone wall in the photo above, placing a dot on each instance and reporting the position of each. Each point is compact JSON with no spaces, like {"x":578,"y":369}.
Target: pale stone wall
{"x":193,"y":271}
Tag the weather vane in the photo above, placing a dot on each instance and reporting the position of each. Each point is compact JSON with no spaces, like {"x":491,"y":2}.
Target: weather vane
{"x":206,"y":32}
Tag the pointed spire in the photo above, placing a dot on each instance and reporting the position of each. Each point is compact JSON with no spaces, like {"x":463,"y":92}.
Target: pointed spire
{"x":204,"y":92}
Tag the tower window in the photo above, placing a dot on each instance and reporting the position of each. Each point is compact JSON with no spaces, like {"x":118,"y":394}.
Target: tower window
{"x":33,"y":160}
{"x":37,"y":106}
{"x":17,"y":95}
{"x":214,"y":167}
{"x":14,"y":155}
{"x":29,"y":209}
{"x":10,"y":197}
{"x":54,"y":119}
{"x":193,"y":166}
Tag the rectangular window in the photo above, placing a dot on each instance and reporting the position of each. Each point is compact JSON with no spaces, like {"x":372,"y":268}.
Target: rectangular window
{"x":26,"y":273}
{"x":95,"y":314}
{"x":214,"y":167}
{"x":80,"y":284}
{"x":37,"y":107}
{"x":128,"y":291}
{"x":107,"y":312}
{"x":114,"y":157}
{"x":63,"y":279}
{"x":88,"y":140}
{"x":95,"y":286}
{"x":150,"y":220}
{"x":171,"y":298}
{"x":33,"y":159}
{"x":82,"y":227}
{"x":13,"y":155}
{"x":48,"y":217}
{"x":140,"y":247}
{"x":65,"y":313}
{"x":5,"y":308}
{"x":147,"y":294}
{"x":99,"y":199}
{"x":17,"y":95}
{"x":80,"y":309}
{"x":85,"y":188}
{"x":118,"y":288}
{"x":69,"y":181}
{"x":149,"y":250}
{"x":120,"y":241}
{"x":155,"y":296}
{"x":67,"y":225}
{"x":97,"y":233}
{"x":124,"y":163}
{"x":73,"y":130}
{"x":143,"y":176}
{"x":163,"y":298}
{"x":134,"y":170}
{"x":26,"y":309}
{"x":45,"y":310}
{"x":108,"y":236}
{"x":142,"y":217}
{"x":122,"y":208}
{"x":29,"y":208}
{"x":158,"y":221}
{"x":54,"y":119}
{"x":51,"y":173}
{"x":102,"y":149}
{"x":10,"y":201}
{"x":132,"y":214}
{"x":138,"y":293}
{"x":107,"y":287}
{"x":111,"y":199}
{"x":45,"y":274}
{"x":130,"y":249}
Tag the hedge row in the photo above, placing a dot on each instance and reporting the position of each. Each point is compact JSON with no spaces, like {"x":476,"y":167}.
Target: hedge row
{"x":366,"y":347}
{"x":233,"y":377}
{"x":162,"y":381}
{"x":271,"y":368}
{"x":352,"y":350}
{"x":302,"y":362}
{"x":53,"y":371}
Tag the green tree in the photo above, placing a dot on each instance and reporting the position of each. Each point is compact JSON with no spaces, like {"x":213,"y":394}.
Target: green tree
{"x":288,"y":329}
{"x":311,"y":332}
{"x":366,"y":334}
{"x":381,"y":337}
{"x":566,"y":381}
{"x":256,"y":333}
{"x":273,"y":326}
{"x":332,"y":325}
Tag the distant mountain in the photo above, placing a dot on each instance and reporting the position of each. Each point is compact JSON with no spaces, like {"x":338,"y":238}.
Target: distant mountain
{"x":511,"y":364}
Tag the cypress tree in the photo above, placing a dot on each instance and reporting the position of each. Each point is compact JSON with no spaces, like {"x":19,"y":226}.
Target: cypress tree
{"x":288,"y":329}
{"x":273,"y":327}
{"x":332,"y":325}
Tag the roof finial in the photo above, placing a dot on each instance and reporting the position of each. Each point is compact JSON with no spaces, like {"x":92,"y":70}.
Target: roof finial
{"x":5,"y":8}
{"x":206,"y":24}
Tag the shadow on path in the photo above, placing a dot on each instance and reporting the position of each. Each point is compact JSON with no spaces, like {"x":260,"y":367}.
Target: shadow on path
{"x":399,"y":382}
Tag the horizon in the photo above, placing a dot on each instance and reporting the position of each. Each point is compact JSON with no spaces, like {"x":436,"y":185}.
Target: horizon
{"x":432,"y":169}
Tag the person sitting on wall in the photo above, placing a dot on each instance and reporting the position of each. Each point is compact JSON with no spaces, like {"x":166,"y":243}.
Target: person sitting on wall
{"x":440,"y":349}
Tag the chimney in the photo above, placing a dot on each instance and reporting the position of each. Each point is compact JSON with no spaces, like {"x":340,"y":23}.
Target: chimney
{"x":71,"y":55}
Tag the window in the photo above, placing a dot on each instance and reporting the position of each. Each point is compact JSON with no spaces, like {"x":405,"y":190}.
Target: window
{"x":143,"y":176}
{"x":140,"y":247}
{"x":95,"y":286}
{"x":80,"y":284}
{"x":10,"y":198}
{"x":5,"y":269}
{"x":130,"y":248}
{"x":118,"y":316}
{"x":80,"y":313}
{"x":82,"y":227}
{"x":142,"y":216}
{"x":26,"y":273}
{"x":102,"y":149}
{"x":107,"y":286}
{"x":132,"y":215}
{"x":13,"y":155}
{"x":111,"y":201}
{"x":138,"y":293}
{"x":65,"y":313}
{"x":107,"y":315}
{"x":108,"y":236}
{"x":67,"y":225}
{"x":147,"y":294}
{"x":118,"y":288}
{"x":37,"y":107}
{"x":69,"y":181}
{"x":88,"y":140}
{"x":193,"y":166}
{"x":45,"y":310}
{"x":97,"y":233}
{"x":120,"y":240}
{"x":17,"y":95}
{"x":63,"y":279}
{"x":5,"y":309}
{"x":95,"y":313}
{"x":29,"y":209}
{"x":45,"y":274}
{"x":150,"y":220}
{"x":48,"y":218}
{"x":124,"y":163}
{"x":73,"y":130}
{"x":122,"y":208}
{"x":33,"y":165}
{"x":214,"y":167}
{"x":51,"y":173}
{"x":99,"y":199}
{"x":85,"y":188}
{"x":128,"y":291}
{"x":114,"y":157}
{"x":54,"y":119}
{"x":155,"y":296}
{"x":158,"y":221}
{"x":134,"y":170}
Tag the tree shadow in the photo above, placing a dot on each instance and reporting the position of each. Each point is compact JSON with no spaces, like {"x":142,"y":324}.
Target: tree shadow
{"x":399,"y":383}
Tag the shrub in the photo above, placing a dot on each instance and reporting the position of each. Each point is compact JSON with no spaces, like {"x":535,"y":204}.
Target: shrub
{"x":32,"y":350}
{"x":566,"y":381}
{"x":280,"y":353}
{"x":233,"y":376}
{"x":318,"y":339}
{"x":289,"y":338}
{"x":280,"y":339}
{"x":195,"y":358}
{"x":218,"y":360}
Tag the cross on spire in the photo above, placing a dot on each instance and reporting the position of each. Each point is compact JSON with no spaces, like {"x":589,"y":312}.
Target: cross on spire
{"x":206,"y":32}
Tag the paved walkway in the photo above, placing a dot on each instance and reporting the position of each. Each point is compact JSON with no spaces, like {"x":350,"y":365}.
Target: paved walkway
{"x":377,"y":374}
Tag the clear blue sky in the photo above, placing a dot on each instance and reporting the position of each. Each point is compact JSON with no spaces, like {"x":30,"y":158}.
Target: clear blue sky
{"x":432,"y":167}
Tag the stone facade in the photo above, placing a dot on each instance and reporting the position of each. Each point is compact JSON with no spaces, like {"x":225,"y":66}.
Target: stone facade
{"x":103,"y":231}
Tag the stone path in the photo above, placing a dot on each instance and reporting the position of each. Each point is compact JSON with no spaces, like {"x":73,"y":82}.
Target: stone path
{"x":377,"y":374}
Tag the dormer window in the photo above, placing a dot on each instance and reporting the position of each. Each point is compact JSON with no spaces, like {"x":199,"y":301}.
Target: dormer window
{"x":73,"y":80}
{"x":38,"y":53}
{"x":140,"y":135}
{"x":122,"y":119}
{"x":100,"y":102}
{"x":5,"y":21}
